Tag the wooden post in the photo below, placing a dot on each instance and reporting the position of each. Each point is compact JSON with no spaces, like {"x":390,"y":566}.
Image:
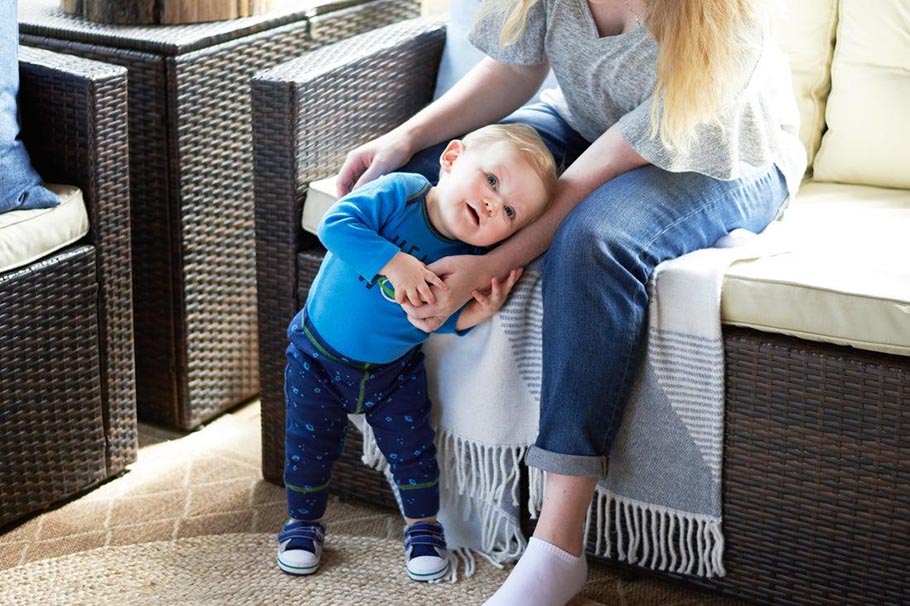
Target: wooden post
{"x":165,"y":12}
{"x":72,"y":7}
{"x":136,"y":12}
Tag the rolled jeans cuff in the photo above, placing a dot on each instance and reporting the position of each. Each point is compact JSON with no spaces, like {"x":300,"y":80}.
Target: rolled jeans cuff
{"x":566,"y":464}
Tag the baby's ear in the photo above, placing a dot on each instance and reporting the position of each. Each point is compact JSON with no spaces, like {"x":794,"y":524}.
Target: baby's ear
{"x":451,"y":153}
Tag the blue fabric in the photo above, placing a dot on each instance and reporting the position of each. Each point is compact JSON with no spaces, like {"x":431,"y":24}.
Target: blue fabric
{"x":351,"y":306}
{"x":20,"y":186}
{"x":424,"y":539}
{"x":595,"y":278}
{"x":303,"y":534}
{"x":321,"y":389}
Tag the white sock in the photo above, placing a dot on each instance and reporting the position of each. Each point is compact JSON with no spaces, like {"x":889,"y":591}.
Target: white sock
{"x":544,"y":576}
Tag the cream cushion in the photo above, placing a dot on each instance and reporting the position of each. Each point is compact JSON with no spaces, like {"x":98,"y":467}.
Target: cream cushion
{"x":28,"y":235}
{"x":846,"y":279}
{"x":868,"y":115}
{"x":319,"y":199}
{"x":805,"y":33}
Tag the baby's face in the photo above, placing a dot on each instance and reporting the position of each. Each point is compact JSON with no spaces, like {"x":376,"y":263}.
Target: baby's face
{"x":487,"y":192}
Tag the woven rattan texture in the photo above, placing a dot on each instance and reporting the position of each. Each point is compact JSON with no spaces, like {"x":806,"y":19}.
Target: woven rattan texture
{"x":194,"y":275}
{"x":51,"y":427}
{"x":816,"y":473}
{"x":75,"y":125}
{"x":150,"y":214}
{"x":334,"y":98}
{"x":44,"y":18}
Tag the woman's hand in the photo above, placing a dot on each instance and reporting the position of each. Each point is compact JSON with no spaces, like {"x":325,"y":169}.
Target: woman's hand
{"x":462,"y":275}
{"x":373,"y":159}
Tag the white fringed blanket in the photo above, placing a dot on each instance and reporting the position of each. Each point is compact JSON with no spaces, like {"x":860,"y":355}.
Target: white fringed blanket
{"x":660,"y":504}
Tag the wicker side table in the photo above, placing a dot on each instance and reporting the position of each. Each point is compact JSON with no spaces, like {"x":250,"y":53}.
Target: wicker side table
{"x":191,"y":172}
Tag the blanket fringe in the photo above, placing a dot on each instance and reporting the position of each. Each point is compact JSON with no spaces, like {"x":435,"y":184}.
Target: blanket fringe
{"x":480,"y":479}
{"x":648,"y":535}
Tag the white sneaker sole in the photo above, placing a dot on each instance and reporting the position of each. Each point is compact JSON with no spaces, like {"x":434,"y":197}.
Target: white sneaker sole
{"x":429,"y":576}
{"x":297,"y":570}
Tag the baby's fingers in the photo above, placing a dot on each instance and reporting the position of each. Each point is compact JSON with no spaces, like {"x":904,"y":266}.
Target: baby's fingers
{"x":435,"y":280}
{"x":480,"y":297}
{"x":426,"y":294}
{"x":510,"y":282}
{"x":414,"y":297}
{"x":513,"y":278}
{"x":495,"y":289}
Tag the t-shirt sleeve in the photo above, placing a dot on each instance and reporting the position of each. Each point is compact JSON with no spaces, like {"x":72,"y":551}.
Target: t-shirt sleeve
{"x":449,"y":325}
{"x":742,"y":133}
{"x":350,"y":229}
{"x":529,"y":49}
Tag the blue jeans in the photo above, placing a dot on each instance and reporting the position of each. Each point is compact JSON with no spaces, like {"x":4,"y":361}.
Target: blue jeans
{"x":595,"y":278}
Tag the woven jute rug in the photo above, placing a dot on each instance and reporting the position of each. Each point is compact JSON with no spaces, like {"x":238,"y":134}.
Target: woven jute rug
{"x":193,"y":522}
{"x":236,"y":569}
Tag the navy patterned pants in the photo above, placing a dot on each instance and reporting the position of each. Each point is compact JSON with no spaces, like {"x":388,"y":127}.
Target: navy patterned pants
{"x":321,"y":388}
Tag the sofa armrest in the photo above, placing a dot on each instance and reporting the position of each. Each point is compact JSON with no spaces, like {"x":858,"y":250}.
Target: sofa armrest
{"x":74,"y":124}
{"x":307,"y":114}
{"x":343,"y":94}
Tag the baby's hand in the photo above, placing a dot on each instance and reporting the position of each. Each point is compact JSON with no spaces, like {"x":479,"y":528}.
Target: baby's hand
{"x":489,"y":304}
{"x":411,"y":280}
{"x":483,"y":306}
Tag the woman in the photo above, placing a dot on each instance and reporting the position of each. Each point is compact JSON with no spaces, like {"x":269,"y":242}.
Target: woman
{"x":675,"y":123}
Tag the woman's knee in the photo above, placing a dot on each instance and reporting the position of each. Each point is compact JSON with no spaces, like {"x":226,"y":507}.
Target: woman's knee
{"x":591,"y":243}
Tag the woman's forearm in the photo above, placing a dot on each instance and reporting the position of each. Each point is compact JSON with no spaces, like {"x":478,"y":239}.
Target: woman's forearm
{"x":606,"y":158}
{"x":486,"y":94}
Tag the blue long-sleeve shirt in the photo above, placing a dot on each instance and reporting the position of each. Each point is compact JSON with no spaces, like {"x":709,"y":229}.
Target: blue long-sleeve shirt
{"x":351,"y":306}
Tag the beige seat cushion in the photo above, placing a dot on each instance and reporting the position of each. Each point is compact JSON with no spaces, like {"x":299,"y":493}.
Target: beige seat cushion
{"x":847,"y":278}
{"x":28,"y":235}
{"x":868,"y":115}
{"x":319,"y":199}
{"x":805,"y":33}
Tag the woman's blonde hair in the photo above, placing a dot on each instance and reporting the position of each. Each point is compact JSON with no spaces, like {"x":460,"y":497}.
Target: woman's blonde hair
{"x":525,"y":140}
{"x":704,"y":46}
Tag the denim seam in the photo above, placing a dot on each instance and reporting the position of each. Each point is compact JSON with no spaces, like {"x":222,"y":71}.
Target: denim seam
{"x":629,"y":346}
{"x":702,"y":209}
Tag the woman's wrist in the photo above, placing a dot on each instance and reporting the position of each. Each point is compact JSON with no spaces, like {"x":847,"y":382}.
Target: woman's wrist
{"x":412,"y":136}
{"x":497,"y":264}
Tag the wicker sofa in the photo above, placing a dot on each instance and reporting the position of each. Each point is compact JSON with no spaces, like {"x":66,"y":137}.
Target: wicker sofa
{"x":816,"y":480}
{"x":67,"y":375}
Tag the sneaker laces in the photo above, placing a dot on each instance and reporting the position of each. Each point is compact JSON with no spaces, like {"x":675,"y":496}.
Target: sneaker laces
{"x":302,"y":534}
{"x":424,"y":539}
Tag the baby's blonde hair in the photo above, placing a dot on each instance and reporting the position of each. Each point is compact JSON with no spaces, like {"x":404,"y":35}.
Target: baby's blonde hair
{"x":526,"y":142}
{"x":700,"y":62}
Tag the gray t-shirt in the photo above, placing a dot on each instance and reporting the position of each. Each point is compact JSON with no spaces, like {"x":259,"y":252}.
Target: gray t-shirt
{"x":605,"y":80}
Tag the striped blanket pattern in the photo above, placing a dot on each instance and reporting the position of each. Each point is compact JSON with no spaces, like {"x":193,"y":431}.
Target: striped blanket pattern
{"x":660,"y":503}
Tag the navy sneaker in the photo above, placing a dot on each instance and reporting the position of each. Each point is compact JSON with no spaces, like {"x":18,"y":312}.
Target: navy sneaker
{"x":425,"y":551}
{"x":300,"y":546}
